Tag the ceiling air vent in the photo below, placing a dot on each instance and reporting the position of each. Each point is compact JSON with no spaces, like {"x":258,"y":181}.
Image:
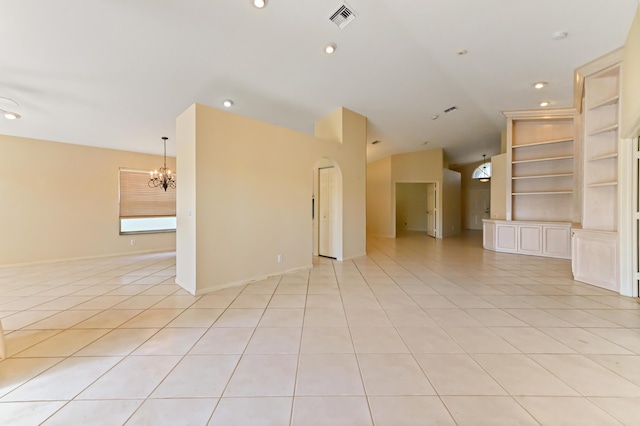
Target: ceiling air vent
{"x":451,"y":109}
{"x":343,"y":16}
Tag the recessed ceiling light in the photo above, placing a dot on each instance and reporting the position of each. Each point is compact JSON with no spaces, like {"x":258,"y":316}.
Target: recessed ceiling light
{"x":540,"y":85}
{"x":462,"y":52}
{"x":330,"y":48}
{"x":10,"y":115}
{"x":544,"y":104}
{"x":435,"y":117}
{"x":228,"y":103}
{"x":259,"y":3}
{"x":375,"y":142}
{"x":560,"y":35}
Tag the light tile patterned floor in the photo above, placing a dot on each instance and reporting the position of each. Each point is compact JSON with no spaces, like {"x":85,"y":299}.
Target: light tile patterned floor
{"x":418,"y":332}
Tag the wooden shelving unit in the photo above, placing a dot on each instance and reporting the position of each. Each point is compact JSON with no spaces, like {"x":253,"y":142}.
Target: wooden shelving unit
{"x":595,"y":244}
{"x":600,"y":145}
{"x":540,"y":150}
{"x":542,"y":176}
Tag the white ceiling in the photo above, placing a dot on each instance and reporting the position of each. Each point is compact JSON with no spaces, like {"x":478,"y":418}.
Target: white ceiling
{"x":116,"y":73}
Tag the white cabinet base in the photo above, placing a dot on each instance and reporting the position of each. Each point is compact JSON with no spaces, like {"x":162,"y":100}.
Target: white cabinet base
{"x":548,"y":239}
{"x":595,"y":258}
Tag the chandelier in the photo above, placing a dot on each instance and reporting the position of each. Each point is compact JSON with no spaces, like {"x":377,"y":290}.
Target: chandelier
{"x":163,"y":176}
{"x":484,"y":177}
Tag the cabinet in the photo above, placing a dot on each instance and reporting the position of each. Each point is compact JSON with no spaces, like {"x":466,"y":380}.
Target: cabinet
{"x":549,"y":239}
{"x":540,"y":150}
{"x":596,"y":242}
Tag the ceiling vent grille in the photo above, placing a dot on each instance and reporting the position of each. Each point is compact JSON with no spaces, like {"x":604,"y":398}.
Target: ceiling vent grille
{"x":343,"y":16}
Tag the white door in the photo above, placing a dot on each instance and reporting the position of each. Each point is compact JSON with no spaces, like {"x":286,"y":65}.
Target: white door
{"x":477,"y":206}
{"x":326,"y":189}
{"x":431,"y":209}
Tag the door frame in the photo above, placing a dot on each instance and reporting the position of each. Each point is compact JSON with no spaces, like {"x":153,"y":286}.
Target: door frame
{"x":338,"y":199}
{"x":438,"y":204}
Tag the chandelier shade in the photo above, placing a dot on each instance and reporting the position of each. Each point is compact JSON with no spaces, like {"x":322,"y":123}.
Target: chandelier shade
{"x":483,"y":172}
{"x":163,"y":177}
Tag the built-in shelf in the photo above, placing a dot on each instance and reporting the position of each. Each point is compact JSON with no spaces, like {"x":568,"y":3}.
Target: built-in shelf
{"x":599,"y":184}
{"x":543,"y":176}
{"x":525,"y":145}
{"x":564,"y":157}
{"x":604,"y":156}
{"x":609,"y":101}
{"x":543,"y":193}
{"x":609,"y":128}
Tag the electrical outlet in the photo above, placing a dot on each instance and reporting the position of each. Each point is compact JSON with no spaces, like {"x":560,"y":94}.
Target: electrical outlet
{"x":133,"y":242}
{"x":279,"y":258}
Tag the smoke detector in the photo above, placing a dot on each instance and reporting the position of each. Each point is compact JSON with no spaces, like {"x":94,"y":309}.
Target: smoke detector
{"x":343,"y":16}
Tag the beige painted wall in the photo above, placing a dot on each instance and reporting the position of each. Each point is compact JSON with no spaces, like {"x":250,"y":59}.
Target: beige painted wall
{"x":421,"y":166}
{"x":411,"y":207}
{"x":60,"y":201}
{"x":451,"y":200}
{"x":253,"y":189}
{"x":467,"y":184}
{"x":630,"y":119}
{"x":379,"y":207}
{"x":499,"y":187}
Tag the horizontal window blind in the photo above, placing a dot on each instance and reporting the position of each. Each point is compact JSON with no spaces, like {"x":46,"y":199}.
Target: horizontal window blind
{"x":138,"y":200}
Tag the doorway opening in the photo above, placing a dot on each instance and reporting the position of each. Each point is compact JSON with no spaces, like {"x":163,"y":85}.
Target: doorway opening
{"x":416,"y":208}
{"x":327,"y":209}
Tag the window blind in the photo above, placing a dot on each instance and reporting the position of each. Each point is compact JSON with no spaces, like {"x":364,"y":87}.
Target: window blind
{"x":138,"y":200}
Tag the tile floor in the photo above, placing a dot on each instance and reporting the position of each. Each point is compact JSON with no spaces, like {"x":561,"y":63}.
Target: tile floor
{"x":419,"y":332}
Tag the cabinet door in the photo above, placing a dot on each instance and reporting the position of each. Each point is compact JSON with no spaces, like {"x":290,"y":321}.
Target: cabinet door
{"x":557,"y":241}
{"x":595,"y":258}
{"x":507,"y":238}
{"x":530,"y":239}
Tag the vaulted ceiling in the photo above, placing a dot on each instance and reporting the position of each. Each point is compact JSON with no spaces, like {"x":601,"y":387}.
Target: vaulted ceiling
{"x":116,"y":73}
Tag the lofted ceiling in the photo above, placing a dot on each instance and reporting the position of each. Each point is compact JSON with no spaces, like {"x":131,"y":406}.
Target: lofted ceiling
{"x":116,"y":73}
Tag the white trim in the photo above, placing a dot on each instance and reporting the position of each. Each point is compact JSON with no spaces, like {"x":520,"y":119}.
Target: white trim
{"x":627,"y":225}
{"x":215,"y":287}
{"x":100,"y":256}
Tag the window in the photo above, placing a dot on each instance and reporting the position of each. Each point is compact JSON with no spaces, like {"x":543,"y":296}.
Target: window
{"x":144,"y":209}
{"x":483,"y":171}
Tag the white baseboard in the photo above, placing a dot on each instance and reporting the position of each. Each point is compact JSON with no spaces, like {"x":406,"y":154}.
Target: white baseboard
{"x":215,"y":287}
{"x":100,"y":256}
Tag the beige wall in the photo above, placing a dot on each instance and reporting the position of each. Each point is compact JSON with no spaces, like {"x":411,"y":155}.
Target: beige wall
{"x":60,"y":201}
{"x":379,"y":207}
{"x":421,"y":166}
{"x":253,"y":189}
{"x":631,"y":82}
{"x":467,"y":184}
{"x":499,"y":187}
{"x":451,"y":194}
{"x":411,"y":206}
